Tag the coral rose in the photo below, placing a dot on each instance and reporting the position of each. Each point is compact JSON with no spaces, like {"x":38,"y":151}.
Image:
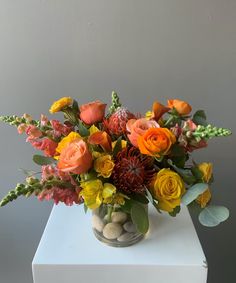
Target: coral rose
{"x":168,"y":188}
{"x":92,"y":112}
{"x":156,"y":142}
{"x":138,"y":127}
{"x":182,"y":107}
{"x":75,"y":158}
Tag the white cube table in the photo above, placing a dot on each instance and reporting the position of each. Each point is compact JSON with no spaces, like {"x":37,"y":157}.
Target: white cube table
{"x":69,"y":252}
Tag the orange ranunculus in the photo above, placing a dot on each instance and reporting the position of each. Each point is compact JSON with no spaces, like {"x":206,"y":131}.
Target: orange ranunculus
{"x":75,"y":158}
{"x":138,"y":127}
{"x":102,"y":139}
{"x":158,"y":110}
{"x":156,"y":141}
{"x":92,"y":112}
{"x":182,"y":107}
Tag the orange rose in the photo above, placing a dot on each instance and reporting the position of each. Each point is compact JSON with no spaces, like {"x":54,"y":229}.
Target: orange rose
{"x":156,"y":141}
{"x":138,"y":127}
{"x":182,"y":107}
{"x":159,"y":110}
{"x":75,"y":158}
{"x":102,"y":139}
{"x":92,"y":112}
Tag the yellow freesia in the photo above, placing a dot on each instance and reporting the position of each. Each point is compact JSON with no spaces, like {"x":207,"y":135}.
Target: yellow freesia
{"x":60,"y":104}
{"x":148,"y":115}
{"x":65,"y":141}
{"x":123,"y":144}
{"x":104,"y":165}
{"x":93,"y":129}
{"x":95,"y":193}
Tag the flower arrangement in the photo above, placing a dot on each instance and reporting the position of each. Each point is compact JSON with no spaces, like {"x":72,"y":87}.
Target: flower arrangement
{"x":121,"y":159}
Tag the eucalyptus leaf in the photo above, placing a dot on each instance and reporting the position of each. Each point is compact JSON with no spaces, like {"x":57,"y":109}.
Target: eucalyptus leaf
{"x":213,"y":215}
{"x":193,"y":192}
{"x":42,"y":160}
{"x":139,"y":217}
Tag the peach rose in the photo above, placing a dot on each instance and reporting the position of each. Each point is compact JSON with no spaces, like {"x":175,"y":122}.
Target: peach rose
{"x":75,"y":158}
{"x":137,"y":128}
{"x":92,"y":112}
{"x":182,"y":107}
{"x":102,"y":139}
{"x":156,"y":141}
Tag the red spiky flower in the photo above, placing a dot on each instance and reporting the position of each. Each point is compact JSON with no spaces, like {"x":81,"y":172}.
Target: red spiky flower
{"x":116,"y":123}
{"x":133,"y":171}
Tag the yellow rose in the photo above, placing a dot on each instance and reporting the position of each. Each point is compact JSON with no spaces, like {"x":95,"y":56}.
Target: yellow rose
{"x":95,"y":193}
{"x":204,"y":198}
{"x":60,"y":104}
{"x":65,"y":141}
{"x":206,"y":169}
{"x":104,"y":165}
{"x":168,"y":188}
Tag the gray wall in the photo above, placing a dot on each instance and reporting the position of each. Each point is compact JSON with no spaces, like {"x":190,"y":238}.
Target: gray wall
{"x":145,"y":50}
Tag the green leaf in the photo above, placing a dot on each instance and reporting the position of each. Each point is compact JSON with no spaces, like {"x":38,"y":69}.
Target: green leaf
{"x":193,"y":192}
{"x":140,"y":198}
{"x":197,"y":173}
{"x":139,"y":217}
{"x":186,"y":174}
{"x":175,"y":211}
{"x":42,"y":160}
{"x":177,"y":150}
{"x":118,"y":146}
{"x":75,"y":107}
{"x":199,"y":118}
{"x":179,"y":161}
{"x":83,"y":131}
{"x":85,"y":208}
{"x":149,"y":196}
{"x":213,"y":215}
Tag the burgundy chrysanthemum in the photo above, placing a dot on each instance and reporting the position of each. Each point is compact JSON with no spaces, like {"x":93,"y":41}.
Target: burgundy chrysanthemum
{"x":132,"y":171}
{"x":116,"y":123}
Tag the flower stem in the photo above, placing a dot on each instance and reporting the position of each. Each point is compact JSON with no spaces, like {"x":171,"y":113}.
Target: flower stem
{"x":109,"y":212}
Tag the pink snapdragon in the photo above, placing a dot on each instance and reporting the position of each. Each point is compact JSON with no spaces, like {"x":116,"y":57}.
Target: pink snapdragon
{"x":47,"y":145}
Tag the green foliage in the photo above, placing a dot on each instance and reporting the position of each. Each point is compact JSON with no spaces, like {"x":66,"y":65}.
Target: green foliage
{"x":139,"y":217}
{"x":42,"y":160}
{"x":213,"y":215}
{"x":199,"y":118}
{"x":209,"y":132}
{"x":14,"y":120}
{"x":118,"y":146}
{"x":193,"y":192}
{"x":197,"y":173}
{"x":175,"y":211}
{"x":83,"y":131}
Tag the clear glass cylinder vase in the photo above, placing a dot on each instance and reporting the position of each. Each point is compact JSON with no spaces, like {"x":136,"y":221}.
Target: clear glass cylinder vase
{"x":115,"y":227}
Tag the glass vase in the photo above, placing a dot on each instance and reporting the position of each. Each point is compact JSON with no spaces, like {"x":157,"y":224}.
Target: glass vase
{"x":115,"y":227}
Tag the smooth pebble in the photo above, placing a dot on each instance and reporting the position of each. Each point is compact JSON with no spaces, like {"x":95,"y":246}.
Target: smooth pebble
{"x":119,"y":217}
{"x":125,"y":237}
{"x":129,"y":227}
{"x":97,"y":223}
{"x":112,"y":231}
